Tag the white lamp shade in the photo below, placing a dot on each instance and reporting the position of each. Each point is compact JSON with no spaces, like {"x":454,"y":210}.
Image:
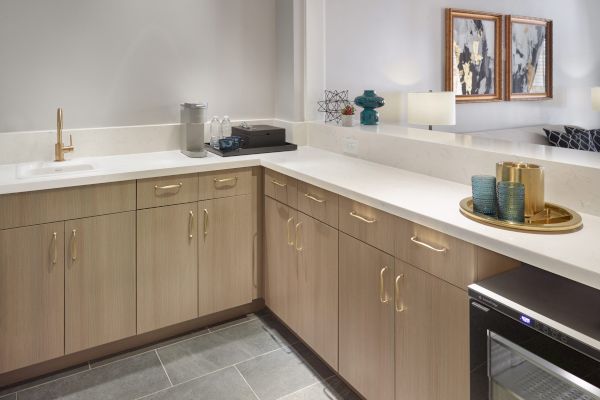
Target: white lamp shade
{"x":596,"y":98}
{"x":432,"y":108}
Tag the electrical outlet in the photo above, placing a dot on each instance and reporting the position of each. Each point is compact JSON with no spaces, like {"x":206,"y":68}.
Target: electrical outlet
{"x":350,"y":146}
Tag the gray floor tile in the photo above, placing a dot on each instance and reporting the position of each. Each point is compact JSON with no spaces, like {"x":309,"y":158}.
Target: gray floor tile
{"x":107,"y":360}
{"x":283,"y":372}
{"x":127,"y":379}
{"x":9,"y":397}
{"x":225,"y":384}
{"x":205,"y":354}
{"x":237,"y":321}
{"x":332,"y":389}
{"x":44,"y":379}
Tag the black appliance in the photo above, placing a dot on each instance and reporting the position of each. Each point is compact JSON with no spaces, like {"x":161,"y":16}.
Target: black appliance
{"x":534,"y":335}
{"x":259,"y":135}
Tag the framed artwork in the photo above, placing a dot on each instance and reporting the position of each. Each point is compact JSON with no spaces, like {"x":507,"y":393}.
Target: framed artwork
{"x":474,"y":55}
{"x":528,"y":58}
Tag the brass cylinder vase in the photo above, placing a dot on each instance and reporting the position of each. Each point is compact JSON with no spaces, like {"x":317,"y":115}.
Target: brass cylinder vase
{"x":530,"y":175}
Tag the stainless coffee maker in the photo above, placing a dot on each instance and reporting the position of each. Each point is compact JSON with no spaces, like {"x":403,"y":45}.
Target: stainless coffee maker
{"x":193,"y":117}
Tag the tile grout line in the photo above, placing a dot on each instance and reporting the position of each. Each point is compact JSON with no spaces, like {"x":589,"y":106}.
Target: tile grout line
{"x":231,"y":326}
{"x":163,"y":367}
{"x":44,"y":383}
{"x":244,"y":378}
{"x":299,"y":390}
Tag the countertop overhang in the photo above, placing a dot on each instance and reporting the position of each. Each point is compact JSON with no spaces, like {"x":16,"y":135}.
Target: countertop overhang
{"x":422,"y":199}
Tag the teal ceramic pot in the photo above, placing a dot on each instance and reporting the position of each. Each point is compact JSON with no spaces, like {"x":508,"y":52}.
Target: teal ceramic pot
{"x":369,"y":101}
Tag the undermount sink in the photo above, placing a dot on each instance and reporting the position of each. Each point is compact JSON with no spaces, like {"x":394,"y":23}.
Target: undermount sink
{"x":40,"y":169}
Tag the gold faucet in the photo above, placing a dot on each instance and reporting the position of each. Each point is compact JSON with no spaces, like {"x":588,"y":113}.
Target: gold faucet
{"x":59,"y":148}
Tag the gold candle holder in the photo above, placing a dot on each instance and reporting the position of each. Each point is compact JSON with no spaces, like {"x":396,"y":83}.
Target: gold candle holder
{"x":530,"y":175}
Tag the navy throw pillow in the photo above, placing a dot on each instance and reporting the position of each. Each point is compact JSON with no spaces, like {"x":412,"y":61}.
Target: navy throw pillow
{"x":578,"y":139}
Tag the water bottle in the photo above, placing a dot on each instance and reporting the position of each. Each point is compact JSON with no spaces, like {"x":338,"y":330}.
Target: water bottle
{"x":226,"y":126}
{"x":215,"y":132}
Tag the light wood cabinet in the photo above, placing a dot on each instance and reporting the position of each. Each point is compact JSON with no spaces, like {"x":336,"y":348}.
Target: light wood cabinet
{"x":31,"y":295}
{"x":167,"y":266}
{"x":225,"y":240}
{"x":281,"y":188}
{"x":281,"y":262}
{"x":100,"y":301}
{"x":366,"y":318}
{"x":432,"y":337}
{"x":317,"y":246}
{"x":231,"y":182}
{"x":318,"y":203}
{"x":167,"y":190}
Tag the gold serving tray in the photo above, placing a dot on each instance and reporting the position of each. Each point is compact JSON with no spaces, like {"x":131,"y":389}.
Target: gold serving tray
{"x":554,"y":219}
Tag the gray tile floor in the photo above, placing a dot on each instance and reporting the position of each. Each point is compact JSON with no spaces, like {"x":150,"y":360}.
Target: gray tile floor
{"x":254,"y":357}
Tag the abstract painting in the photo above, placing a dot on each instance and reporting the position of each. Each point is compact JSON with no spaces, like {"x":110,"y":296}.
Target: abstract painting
{"x":473,"y":55}
{"x":528,"y":58}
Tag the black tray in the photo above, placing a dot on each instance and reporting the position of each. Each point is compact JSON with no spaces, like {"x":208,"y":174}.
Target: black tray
{"x":254,"y":150}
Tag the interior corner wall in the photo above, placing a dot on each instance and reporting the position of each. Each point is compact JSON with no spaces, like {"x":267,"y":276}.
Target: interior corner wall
{"x":114,"y":62}
{"x":396,"y":47}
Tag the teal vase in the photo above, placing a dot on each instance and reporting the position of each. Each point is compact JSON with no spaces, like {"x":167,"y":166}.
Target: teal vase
{"x":369,"y":101}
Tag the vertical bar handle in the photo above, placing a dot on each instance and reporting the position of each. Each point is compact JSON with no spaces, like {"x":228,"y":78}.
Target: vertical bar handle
{"x":298,"y":237}
{"x":54,"y":246}
{"x":191,"y":225}
{"x":399,"y":303}
{"x":289,"y":235}
{"x":383,"y":296}
{"x":74,"y":245}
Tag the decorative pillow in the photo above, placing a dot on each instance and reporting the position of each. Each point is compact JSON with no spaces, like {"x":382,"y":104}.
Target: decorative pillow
{"x":578,"y":139}
{"x":594,"y":135}
{"x":572,"y":128}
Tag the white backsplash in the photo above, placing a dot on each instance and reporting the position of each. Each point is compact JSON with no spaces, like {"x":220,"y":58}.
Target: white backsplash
{"x":457,"y":157}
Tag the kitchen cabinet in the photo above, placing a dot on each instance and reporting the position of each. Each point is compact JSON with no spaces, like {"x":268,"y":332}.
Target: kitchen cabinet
{"x":317,"y":249}
{"x":432,"y":337}
{"x":31,"y":295}
{"x":100,"y":301}
{"x":366,"y":318}
{"x":281,"y":262}
{"x":225,"y":242}
{"x":167,"y":266}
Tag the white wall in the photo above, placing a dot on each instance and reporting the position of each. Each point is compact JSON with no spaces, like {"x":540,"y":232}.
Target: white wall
{"x":398,"y":46}
{"x":130,"y":62}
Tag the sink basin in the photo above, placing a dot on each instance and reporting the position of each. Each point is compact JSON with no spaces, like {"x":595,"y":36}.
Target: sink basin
{"x":41,"y":169}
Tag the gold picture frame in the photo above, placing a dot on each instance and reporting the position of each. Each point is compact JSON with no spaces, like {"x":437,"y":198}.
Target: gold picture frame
{"x":522,"y":71}
{"x":473,"y":70}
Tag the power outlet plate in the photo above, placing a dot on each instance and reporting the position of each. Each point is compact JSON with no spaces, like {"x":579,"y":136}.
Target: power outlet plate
{"x":350,"y":146}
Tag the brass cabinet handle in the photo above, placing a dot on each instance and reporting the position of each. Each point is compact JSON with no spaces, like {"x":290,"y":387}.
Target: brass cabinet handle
{"x":383,"y":296}
{"x":289,"y":238}
{"x":399,"y":303}
{"x":206,"y":222}
{"x":74,"y":244}
{"x":298,"y":248}
{"x":363,"y":219}
{"x":168,"y":187}
{"x":274,"y":182}
{"x":191,"y":225}
{"x":224,"y":180}
{"x":55,"y":251}
{"x":313,"y":198}
{"x":416,"y":240}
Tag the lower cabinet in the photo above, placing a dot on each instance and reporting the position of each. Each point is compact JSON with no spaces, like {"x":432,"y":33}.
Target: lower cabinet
{"x":100,"y":301}
{"x":317,"y":247}
{"x":366,"y":318}
{"x":31,"y":295}
{"x":432,"y":337}
{"x":167,"y":266}
{"x":281,"y":262}
{"x":225,"y":240}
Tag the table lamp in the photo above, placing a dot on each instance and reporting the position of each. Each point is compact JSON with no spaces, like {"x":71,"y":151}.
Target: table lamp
{"x":596,"y":98}
{"x":432,"y":108}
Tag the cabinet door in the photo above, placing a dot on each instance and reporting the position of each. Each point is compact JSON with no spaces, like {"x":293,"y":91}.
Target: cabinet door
{"x":31,"y":295}
{"x":317,"y":245}
{"x":366,"y":358}
{"x":281,"y":262}
{"x":432,"y":337}
{"x":99,"y":280}
{"x":225,"y":240}
{"x":167,"y":266}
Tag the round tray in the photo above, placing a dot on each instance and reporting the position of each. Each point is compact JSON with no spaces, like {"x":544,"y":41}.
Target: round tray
{"x":554,"y":219}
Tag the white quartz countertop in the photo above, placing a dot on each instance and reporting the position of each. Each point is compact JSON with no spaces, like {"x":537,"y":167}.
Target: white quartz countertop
{"x":425,"y":200}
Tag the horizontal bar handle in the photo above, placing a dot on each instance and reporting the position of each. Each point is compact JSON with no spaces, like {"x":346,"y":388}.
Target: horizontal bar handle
{"x":416,"y":240}
{"x":363,"y":219}
{"x":225,"y":180}
{"x":274,"y":182}
{"x":169,"y":187}
{"x":313,"y":198}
